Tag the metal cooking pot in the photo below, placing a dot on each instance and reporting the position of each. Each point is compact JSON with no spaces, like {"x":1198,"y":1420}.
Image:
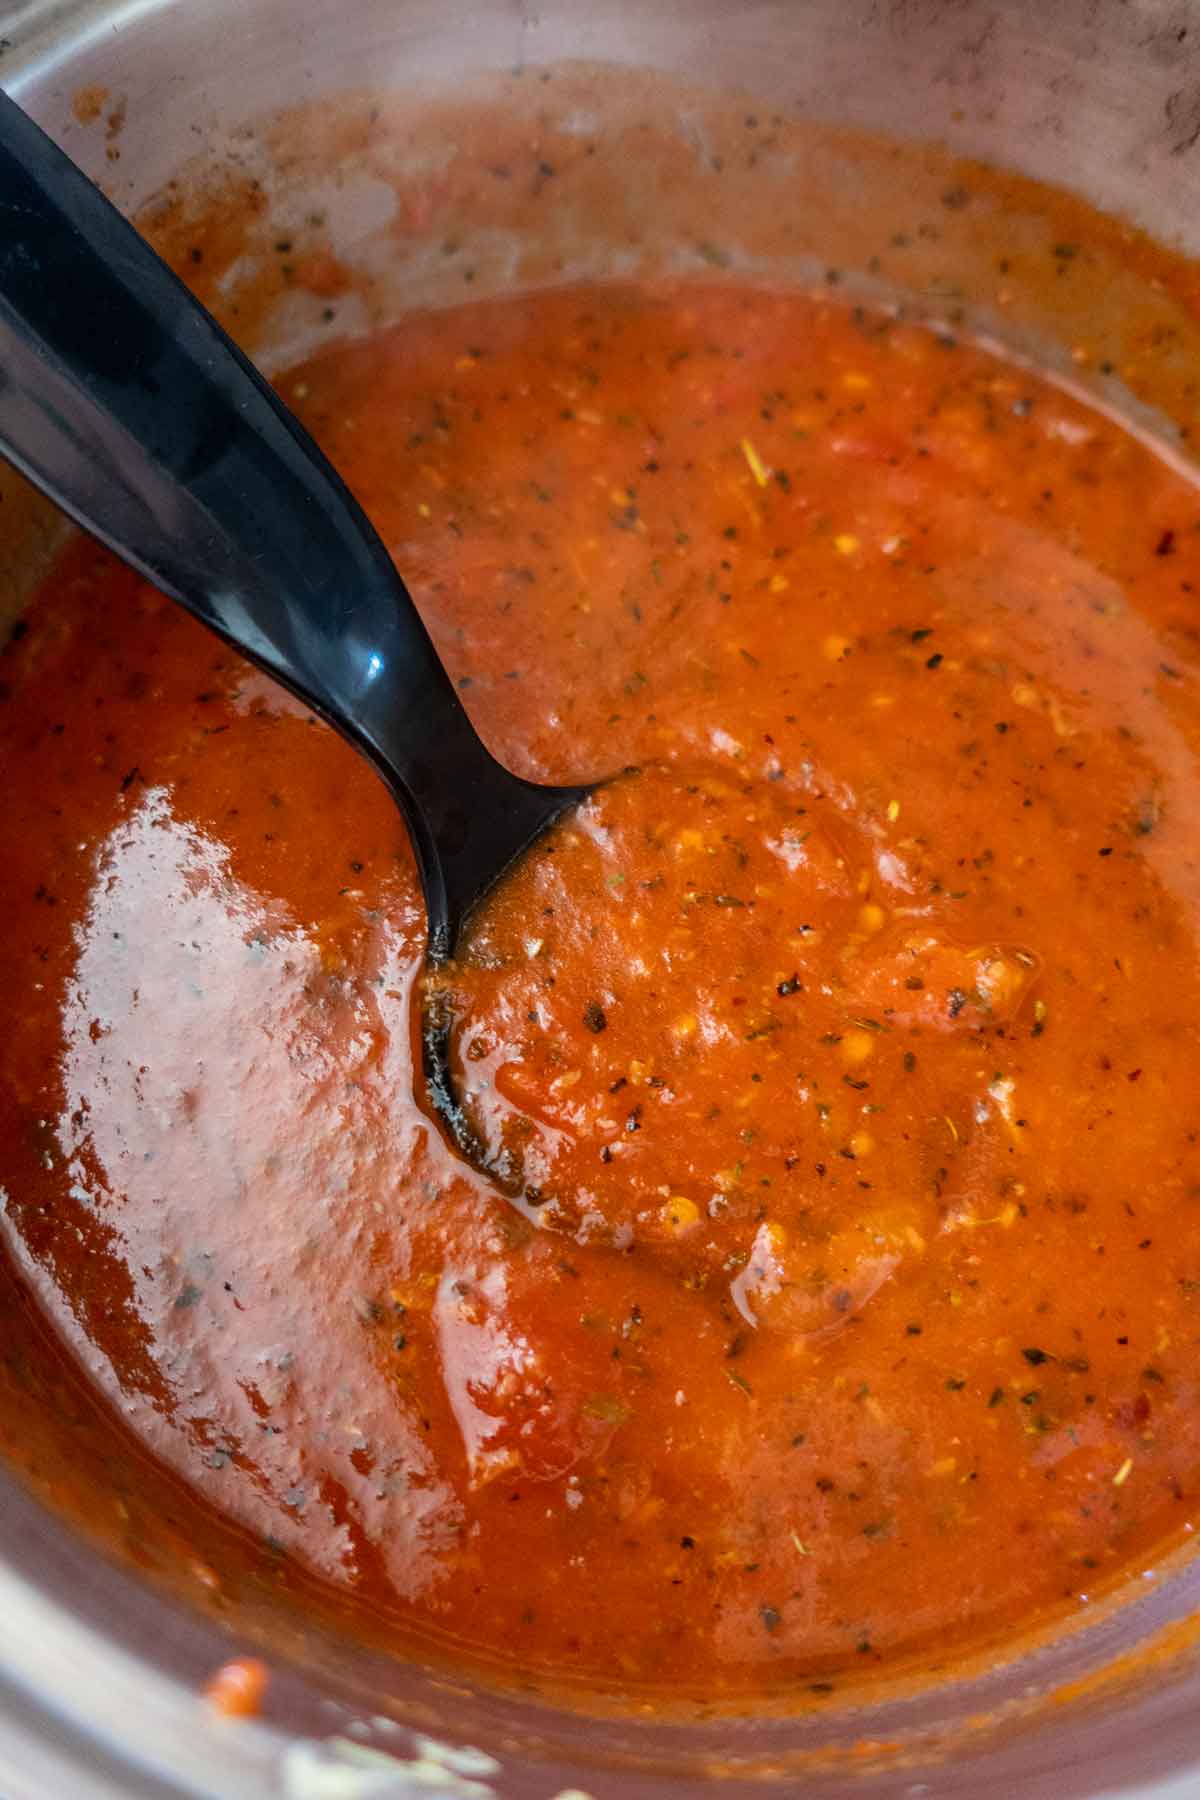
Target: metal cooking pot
{"x":101,"y":1661}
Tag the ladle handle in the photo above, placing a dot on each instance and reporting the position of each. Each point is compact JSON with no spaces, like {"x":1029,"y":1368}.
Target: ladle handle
{"x":124,"y":401}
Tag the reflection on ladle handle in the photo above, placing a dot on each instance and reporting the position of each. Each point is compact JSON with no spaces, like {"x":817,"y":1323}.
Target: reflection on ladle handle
{"x":125,"y":402}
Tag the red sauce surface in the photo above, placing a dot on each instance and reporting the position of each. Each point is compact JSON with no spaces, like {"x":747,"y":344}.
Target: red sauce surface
{"x":841,"y":1058}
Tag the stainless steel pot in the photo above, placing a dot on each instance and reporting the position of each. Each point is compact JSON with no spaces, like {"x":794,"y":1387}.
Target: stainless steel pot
{"x":100,"y":1666}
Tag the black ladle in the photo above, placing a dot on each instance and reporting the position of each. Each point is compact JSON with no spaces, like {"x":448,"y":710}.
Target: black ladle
{"x":125,"y":402}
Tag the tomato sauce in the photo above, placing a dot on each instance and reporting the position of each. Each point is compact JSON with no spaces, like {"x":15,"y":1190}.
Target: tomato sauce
{"x":835,"y":1306}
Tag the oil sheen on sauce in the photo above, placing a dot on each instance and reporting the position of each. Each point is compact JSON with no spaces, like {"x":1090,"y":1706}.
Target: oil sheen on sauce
{"x":840,"y":1059}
